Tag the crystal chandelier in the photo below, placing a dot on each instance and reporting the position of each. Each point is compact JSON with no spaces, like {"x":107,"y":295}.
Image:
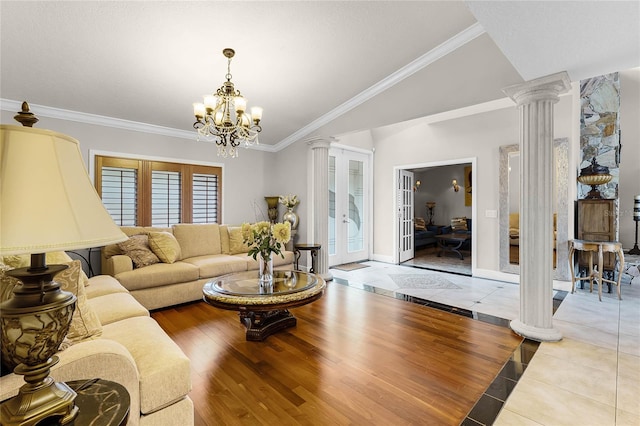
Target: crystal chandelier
{"x":222,"y":117}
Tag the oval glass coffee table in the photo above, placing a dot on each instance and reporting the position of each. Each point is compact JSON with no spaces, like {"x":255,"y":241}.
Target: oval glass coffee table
{"x":264,"y":311}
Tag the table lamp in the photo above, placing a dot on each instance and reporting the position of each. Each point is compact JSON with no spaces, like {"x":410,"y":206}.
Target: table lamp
{"x":47,"y":203}
{"x":636,"y":218}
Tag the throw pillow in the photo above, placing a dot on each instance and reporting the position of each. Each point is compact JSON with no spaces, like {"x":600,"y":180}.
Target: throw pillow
{"x":224,"y":239}
{"x":420,"y":224}
{"x":165,"y":246}
{"x":7,"y":283}
{"x":137,"y":248}
{"x":85,"y":323}
{"x":459,"y":224}
{"x":236,"y":245}
{"x":52,"y":258}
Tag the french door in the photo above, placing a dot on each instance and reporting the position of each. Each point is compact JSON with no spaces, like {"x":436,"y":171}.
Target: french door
{"x":349,"y":191}
{"x":404,"y":206}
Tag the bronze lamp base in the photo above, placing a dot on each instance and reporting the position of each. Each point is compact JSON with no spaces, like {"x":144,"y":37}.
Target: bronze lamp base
{"x":40,"y":398}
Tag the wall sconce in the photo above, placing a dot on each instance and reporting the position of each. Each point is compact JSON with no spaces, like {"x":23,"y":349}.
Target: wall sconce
{"x":456,"y":187}
{"x":416,"y":186}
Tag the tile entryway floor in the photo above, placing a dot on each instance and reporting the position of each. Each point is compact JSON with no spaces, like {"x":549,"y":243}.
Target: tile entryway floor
{"x":427,"y":258}
{"x":591,"y":377}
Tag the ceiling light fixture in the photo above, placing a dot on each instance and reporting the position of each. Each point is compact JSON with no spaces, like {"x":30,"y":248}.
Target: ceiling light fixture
{"x":221,"y":117}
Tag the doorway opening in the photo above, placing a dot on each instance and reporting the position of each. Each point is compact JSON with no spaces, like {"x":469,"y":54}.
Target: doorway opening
{"x":443,"y":214}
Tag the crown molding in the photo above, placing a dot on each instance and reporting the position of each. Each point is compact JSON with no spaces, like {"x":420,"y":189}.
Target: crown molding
{"x":450,"y":45}
{"x":98,"y":120}
{"x":11,"y":105}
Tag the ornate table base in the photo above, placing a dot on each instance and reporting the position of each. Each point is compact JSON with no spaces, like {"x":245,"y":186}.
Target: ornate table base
{"x":261,"y":325}
{"x":452,"y":243}
{"x":264,"y":312}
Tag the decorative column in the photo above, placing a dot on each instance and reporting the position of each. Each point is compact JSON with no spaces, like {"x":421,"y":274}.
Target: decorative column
{"x":535,"y":100}
{"x":320,"y":200}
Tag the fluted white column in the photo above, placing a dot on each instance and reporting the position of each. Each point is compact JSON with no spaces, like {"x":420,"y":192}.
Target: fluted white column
{"x":320,"y":208}
{"x":535,"y":100}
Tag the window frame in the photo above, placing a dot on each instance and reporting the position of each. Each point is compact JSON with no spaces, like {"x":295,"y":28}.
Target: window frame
{"x":144,"y":168}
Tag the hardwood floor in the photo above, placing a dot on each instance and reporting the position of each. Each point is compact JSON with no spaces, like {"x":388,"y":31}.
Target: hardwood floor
{"x":353,"y":358}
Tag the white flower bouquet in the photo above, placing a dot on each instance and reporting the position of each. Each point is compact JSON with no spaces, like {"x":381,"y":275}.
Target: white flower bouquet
{"x":289,"y":201}
{"x":265,"y":238}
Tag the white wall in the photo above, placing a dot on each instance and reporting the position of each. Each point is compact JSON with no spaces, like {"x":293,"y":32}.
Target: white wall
{"x":289,"y":175}
{"x":630,"y":154}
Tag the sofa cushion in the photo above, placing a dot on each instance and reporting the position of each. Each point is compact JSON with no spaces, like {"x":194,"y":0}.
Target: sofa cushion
{"x":101,"y":285}
{"x":158,"y":275}
{"x":137,"y":248}
{"x":116,"y":307}
{"x":236,"y":243}
{"x":165,"y":246}
{"x":164,"y":370}
{"x":216,"y":265}
{"x":85,"y":323}
{"x":198,"y":239}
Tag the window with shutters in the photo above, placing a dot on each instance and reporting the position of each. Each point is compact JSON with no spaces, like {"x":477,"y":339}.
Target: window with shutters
{"x":119,"y":194}
{"x":205,"y":198}
{"x":156,"y":193}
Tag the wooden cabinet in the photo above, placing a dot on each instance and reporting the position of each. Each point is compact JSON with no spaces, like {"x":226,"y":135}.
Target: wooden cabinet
{"x":596,"y":222}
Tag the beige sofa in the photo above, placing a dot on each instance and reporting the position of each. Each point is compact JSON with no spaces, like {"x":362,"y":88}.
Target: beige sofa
{"x":204,"y":251}
{"x":128,"y":347}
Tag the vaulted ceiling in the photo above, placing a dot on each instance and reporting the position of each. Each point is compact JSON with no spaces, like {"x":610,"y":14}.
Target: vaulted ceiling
{"x":316,"y":67}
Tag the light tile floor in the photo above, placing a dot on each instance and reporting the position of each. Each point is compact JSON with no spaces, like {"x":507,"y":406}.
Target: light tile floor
{"x":591,"y":377}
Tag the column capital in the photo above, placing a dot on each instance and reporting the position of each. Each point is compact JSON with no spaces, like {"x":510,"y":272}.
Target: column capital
{"x":546,"y":88}
{"x":320,"y":142}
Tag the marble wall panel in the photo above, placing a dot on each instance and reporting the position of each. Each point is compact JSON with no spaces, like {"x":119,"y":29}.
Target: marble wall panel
{"x":600,"y":129}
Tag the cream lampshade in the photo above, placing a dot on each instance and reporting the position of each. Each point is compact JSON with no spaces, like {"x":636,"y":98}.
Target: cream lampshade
{"x":47,"y":203}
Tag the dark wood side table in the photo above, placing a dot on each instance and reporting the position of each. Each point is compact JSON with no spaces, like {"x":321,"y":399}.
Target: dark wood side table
{"x":100,"y":403}
{"x":313,"y":248}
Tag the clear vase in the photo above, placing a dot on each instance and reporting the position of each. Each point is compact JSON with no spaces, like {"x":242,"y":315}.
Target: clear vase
{"x":265,"y":271}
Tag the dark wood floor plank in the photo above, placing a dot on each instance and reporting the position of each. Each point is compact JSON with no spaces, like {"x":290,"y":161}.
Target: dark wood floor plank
{"x":353,"y":358}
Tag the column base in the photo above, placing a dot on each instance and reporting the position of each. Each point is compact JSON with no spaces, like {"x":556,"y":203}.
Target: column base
{"x":326,"y":276}
{"x":535,"y":333}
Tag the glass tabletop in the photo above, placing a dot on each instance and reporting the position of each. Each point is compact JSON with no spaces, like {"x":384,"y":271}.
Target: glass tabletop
{"x":246,"y":283}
